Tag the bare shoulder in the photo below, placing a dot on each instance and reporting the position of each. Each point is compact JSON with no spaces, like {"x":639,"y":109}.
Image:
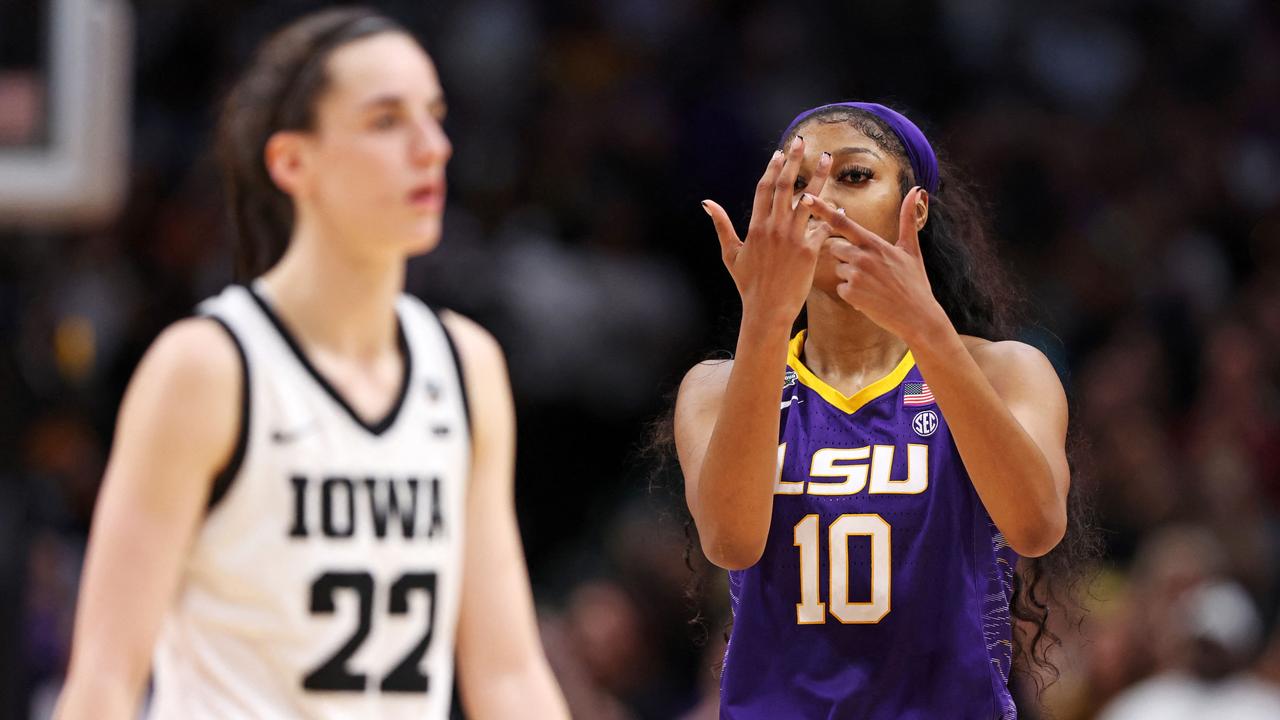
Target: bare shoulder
{"x":1006,"y":355}
{"x":484,"y":375}
{"x":490,"y":404}
{"x":707,"y":377}
{"x":478,"y":347}
{"x":1007,"y":361}
{"x":181,"y":413}
{"x":704,"y":384}
{"x":194,"y":355}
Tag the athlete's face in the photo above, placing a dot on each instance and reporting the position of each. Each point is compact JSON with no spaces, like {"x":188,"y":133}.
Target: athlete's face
{"x":864,"y":181}
{"x":372,"y":172}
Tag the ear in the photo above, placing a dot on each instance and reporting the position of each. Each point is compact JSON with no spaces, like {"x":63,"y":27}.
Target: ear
{"x":922,"y":209}
{"x":285,"y":159}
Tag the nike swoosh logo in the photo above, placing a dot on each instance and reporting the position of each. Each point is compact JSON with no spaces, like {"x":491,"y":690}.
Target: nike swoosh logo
{"x":283,"y":437}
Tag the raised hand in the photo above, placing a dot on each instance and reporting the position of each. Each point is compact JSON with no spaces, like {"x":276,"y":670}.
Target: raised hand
{"x":773,"y":270}
{"x":886,"y":282}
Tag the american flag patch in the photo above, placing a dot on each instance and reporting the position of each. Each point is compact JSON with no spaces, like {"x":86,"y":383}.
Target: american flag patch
{"x":916,"y":393}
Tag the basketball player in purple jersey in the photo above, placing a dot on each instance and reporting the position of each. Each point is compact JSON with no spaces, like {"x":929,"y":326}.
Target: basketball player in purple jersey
{"x":871,"y":525}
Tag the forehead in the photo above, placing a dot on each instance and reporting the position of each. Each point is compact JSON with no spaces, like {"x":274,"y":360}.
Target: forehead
{"x":385,"y":64}
{"x":839,"y":136}
{"x":837,"y":131}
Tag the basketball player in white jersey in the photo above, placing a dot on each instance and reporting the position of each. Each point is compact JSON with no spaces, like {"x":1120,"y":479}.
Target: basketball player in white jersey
{"x":308,"y":507}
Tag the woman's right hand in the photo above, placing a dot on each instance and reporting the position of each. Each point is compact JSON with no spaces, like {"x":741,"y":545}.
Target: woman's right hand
{"x":773,"y":270}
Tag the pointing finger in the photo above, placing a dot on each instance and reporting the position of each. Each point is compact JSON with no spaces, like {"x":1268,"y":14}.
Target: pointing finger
{"x":845,"y":252}
{"x":841,"y":223}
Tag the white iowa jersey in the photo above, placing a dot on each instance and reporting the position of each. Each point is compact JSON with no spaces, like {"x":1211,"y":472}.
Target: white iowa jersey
{"x":325,"y":580}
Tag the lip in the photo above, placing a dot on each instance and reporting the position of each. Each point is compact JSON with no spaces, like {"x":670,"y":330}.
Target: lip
{"x":427,"y":196}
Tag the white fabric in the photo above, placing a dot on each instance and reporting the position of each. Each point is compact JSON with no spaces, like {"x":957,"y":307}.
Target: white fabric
{"x":241,"y":635}
{"x":1178,"y":696}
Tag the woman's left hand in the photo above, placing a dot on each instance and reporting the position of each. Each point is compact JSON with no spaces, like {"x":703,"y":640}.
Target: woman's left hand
{"x":885,"y":282}
{"x":1002,"y":401}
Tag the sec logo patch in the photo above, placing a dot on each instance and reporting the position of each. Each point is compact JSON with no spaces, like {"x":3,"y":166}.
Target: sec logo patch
{"x":925,"y":423}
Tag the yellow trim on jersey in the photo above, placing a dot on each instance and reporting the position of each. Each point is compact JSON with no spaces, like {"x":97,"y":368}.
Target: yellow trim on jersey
{"x":848,"y":403}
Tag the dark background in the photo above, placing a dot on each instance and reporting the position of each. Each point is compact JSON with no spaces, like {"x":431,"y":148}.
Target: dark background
{"x":1130,"y":154}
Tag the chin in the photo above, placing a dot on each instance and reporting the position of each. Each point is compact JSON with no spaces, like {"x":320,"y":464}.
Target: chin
{"x":423,"y":239}
{"x":421,"y":245}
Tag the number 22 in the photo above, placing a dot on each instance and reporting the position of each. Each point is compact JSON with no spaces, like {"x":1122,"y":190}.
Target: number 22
{"x":406,"y":676}
{"x":810,"y":610}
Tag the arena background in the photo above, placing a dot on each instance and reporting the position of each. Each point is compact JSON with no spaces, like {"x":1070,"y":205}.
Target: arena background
{"x":1130,"y":154}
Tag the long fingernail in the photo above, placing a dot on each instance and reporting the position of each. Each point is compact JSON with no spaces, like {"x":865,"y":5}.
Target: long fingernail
{"x":826,"y":158}
{"x":705,"y":209}
{"x":777,"y":154}
{"x":806,"y":199}
{"x":795,"y":144}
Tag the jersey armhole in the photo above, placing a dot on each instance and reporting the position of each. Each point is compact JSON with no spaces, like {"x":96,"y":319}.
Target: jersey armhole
{"x":223,"y":480}
{"x":457,"y":364}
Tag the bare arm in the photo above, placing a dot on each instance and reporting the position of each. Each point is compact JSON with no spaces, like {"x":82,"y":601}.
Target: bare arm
{"x":726,"y":428}
{"x":502,"y":670}
{"x":177,"y":428}
{"x":1008,"y":414}
{"x":727,"y":417}
{"x":1003,"y":402}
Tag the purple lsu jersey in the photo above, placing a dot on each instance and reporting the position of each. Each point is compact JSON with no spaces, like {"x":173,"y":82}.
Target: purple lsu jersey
{"x":884,"y":587}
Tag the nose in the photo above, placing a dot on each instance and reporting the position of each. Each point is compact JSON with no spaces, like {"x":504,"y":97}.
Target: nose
{"x":430,"y":145}
{"x":827,"y":189}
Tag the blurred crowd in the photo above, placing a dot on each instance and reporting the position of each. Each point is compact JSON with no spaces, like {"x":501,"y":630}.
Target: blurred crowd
{"x":1130,"y":154}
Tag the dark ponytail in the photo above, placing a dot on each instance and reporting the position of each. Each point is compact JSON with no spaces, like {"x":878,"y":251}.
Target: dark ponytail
{"x":967,"y":277}
{"x":278,"y":92}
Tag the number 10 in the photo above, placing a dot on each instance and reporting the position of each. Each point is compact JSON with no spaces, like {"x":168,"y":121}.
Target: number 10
{"x":810,"y":610}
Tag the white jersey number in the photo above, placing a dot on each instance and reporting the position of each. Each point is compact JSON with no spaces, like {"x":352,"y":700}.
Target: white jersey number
{"x":810,"y":610}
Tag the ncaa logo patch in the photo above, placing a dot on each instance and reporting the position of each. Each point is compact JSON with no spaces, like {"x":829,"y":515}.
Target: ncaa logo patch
{"x":925,"y":423}
{"x":788,"y":378}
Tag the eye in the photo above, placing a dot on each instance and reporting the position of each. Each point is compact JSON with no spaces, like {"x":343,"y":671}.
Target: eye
{"x":385,"y":121}
{"x":855,"y":174}
{"x":801,"y":183}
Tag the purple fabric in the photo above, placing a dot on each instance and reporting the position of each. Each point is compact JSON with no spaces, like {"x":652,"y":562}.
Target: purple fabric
{"x":942,"y":651}
{"x":924,"y":163}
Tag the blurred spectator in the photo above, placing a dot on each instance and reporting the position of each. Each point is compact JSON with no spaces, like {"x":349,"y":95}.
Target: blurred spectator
{"x":1214,"y":638}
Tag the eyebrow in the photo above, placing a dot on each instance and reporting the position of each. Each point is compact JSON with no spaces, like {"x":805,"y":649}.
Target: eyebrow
{"x":435,"y":104}
{"x":857,"y":150}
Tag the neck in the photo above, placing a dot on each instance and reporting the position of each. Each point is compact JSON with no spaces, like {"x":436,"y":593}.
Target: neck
{"x":338,"y":301}
{"x":843,"y":346}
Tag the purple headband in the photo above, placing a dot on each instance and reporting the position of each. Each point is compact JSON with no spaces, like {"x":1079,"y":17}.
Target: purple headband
{"x":924,"y":164}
